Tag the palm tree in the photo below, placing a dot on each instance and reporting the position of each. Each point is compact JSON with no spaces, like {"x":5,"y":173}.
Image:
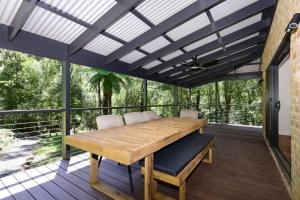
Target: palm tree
{"x":109,"y":82}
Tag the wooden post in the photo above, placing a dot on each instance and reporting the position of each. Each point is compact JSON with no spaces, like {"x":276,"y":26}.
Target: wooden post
{"x":66,"y":74}
{"x":148,"y":191}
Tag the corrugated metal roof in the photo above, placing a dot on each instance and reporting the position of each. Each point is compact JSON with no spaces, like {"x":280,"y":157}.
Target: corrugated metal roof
{"x":152,"y":64}
{"x":86,"y":10}
{"x":172,"y":55}
{"x":201,"y":42}
{"x":165,"y":70}
{"x":128,"y":27}
{"x":228,"y":7}
{"x":158,"y":11}
{"x":8,"y":9}
{"x":175,"y":74}
{"x":132,"y":57}
{"x":256,"y":60}
{"x":50,"y":25}
{"x":189,"y":27}
{"x":155,"y":44}
{"x":103,"y":45}
{"x":243,"y":49}
{"x":246,"y":69}
{"x":209,"y":52}
{"x":182,"y":77}
{"x":238,"y":26}
{"x":242,"y":40}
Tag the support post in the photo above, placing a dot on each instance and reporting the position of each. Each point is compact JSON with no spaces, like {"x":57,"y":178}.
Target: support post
{"x":66,"y":77}
{"x":216,"y":102}
{"x":175,"y":101}
{"x":190,"y":98}
{"x":145,"y":94}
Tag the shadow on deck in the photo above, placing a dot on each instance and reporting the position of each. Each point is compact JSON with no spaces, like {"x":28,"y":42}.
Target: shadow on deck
{"x":243,"y":168}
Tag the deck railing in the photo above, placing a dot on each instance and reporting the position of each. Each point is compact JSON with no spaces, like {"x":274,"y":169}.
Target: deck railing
{"x":249,"y":115}
{"x":34,"y":137}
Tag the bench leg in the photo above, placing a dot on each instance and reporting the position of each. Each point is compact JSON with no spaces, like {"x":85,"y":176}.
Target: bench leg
{"x":209,"y":157}
{"x":154,"y":186}
{"x":201,"y":130}
{"x":182,"y":191}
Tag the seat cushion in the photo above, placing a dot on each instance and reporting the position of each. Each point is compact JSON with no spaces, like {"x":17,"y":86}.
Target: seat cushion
{"x":173,"y":158}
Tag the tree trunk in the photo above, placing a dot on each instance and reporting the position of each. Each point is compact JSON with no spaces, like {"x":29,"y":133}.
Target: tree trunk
{"x":218,"y":98}
{"x":142,"y":99}
{"x":227,"y":96}
{"x":105,"y":102}
{"x":99,"y":96}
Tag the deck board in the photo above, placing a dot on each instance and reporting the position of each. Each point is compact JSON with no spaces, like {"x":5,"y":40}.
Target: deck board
{"x":243,"y":169}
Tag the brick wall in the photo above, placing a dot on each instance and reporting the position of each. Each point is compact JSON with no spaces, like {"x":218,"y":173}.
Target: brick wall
{"x":284,"y":12}
{"x":295,"y":112}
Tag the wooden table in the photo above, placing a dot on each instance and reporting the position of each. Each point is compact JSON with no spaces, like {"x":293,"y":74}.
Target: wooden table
{"x":130,"y":143}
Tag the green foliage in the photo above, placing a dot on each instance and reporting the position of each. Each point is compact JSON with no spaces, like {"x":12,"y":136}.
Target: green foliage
{"x":29,"y":82}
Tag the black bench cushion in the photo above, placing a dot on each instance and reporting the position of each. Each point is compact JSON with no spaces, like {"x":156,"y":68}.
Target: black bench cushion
{"x":173,"y":158}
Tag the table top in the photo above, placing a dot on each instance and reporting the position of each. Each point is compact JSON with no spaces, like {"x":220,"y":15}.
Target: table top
{"x":130,"y":143}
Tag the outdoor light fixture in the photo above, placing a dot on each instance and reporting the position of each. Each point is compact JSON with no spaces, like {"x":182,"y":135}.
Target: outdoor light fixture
{"x":294,"y":23}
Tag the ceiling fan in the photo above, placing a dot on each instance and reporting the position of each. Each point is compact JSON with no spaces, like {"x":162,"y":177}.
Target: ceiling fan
{"x":194,"y":64}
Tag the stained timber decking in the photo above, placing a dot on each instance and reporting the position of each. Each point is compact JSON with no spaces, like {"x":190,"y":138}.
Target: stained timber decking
{"x":243,"y":169}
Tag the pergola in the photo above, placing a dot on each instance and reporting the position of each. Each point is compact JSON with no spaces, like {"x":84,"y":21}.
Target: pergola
{"x":153,"y":40}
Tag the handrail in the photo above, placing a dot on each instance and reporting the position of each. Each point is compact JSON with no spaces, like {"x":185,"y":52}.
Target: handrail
{"x":7,"y":112}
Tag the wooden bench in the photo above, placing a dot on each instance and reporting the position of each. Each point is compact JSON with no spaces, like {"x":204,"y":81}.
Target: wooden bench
{"x":174,"y":163}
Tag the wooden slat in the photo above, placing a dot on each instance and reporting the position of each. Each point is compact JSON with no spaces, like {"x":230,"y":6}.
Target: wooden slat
{"x":4,"y":193}
{"x":104,"y":177}
{"x":73,"y":189}
{"x":16,"y":189}
{"x":254,"y":176}
{"x":31,"y":186}
{"x":74,"y":179}
{"x":56,"y":191}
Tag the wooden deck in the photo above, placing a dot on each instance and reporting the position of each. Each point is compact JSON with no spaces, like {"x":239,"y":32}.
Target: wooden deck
{"x":243,"y":169}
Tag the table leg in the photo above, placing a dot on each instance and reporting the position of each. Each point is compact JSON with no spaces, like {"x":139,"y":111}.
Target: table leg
{"x":103,"y":187}
{"x":148,"y":184}
{"x":94,"y":169}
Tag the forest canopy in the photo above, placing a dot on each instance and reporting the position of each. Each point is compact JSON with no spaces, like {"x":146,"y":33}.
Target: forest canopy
{"x":31,"y":82}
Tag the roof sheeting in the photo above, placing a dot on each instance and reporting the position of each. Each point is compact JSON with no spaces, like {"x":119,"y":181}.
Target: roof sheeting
{"x":241,"y":25}
{"x":229,"y":6}
{"x":8,"y":9}
{"x":189,"y":27}
{"x":128,"y":27}
{"x":155,"y":44}
{"x":103,"y":45}
{"x":201,"y":42}
{"x":143,"y":35}
{"x":132,"y":57}
{"x":50,"y":25}
{"x":86,"y":10}
{"x":158,"y":11}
